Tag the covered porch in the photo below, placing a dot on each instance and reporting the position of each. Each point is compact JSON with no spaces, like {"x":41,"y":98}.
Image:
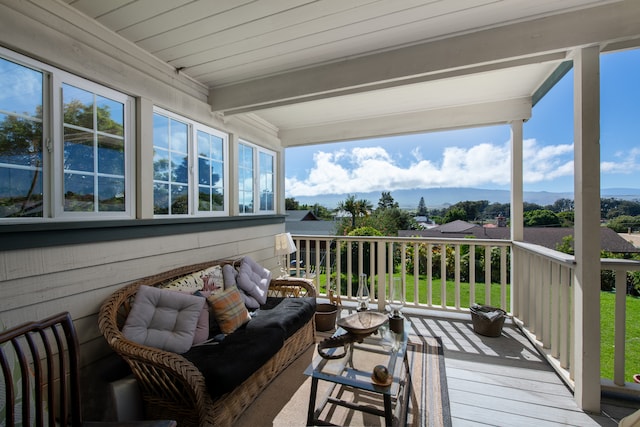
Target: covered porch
{"x":290,"y":73}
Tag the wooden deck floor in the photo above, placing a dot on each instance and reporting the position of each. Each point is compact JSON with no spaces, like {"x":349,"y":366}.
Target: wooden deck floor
{"x":504,"y":381}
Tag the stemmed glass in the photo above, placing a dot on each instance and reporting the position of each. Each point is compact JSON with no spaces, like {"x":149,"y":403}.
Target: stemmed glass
{"x":363,"y":293}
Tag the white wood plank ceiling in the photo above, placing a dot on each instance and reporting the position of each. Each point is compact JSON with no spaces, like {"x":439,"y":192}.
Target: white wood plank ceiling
{"x":309,"y":67}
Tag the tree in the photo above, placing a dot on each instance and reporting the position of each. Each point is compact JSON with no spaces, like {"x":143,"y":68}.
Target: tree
{"x":540,"y":217}
{"x":386,"y":201}
{"x":355,"y":207}
{"x":624,"y":223}
{"x":291,"y":204}
{"x":422,"y":207}
{"x":455,"y":213}
{"x":563,"y":205}
{"x":566,"y":246}
{"x":566,"y":218}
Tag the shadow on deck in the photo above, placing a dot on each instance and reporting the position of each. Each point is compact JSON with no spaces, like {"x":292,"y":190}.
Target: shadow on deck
{"x":504,"y":381}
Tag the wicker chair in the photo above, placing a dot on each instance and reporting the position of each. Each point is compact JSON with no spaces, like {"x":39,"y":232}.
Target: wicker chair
{"x":39,"y":362}
{"x":172,"y":386}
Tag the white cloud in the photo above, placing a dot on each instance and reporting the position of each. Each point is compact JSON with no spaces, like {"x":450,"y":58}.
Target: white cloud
{"x":628,"y":163}
{"x":359,"y":170}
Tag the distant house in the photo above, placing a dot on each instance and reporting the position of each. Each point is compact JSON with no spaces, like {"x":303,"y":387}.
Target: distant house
{"x":307,"y":223}
{"x":549,"y":237}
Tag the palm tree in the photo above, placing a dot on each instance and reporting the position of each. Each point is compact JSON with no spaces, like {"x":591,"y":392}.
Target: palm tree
{"x":350,"y":205}
{"x":355,"y":207}
{"x":364,"y":207}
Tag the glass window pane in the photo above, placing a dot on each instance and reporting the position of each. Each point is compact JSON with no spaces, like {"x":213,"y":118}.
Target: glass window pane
{"x":77,"y":106}
{"x":20,"y":89}
{"x":160,"y":131}
{"x":179,"y":136}
{"x":217,"y":152}
{"x":204,"y":144}
{"x":78,"y":193}
{"x":179,"y":199}
{"x":204,"y":198}
{"x":217,"y":200}
{"x":110,"y":155}
{"x":20,"y":193}
{"x":111,"y":194}
{"x":217,"y":180}
{"x":78,"y":150}
{"x":160,"y":164}
{"x":110,"y":116}
{"x":179,"y":168}
{"x":160,"y":199}
{"x":203,"y":171}
{"x":20,"y":141}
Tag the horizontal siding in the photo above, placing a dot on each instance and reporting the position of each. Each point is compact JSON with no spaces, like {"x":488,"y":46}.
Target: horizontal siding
{"x":40,"y":282}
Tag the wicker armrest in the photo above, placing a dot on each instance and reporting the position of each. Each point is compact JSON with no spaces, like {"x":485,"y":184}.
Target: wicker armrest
{"x":166,"y":379}
{"x":291,"y":287}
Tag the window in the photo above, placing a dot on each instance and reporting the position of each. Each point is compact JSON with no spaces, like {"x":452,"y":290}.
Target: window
{"x":189,"y":167}
{"x":21,"y":156}
{"x":256,"y":179}
{"x":94,"y":152}
{"x":65,"y":145}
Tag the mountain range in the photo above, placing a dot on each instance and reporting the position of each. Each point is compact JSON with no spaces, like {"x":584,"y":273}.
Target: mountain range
{"x":443,"y":197}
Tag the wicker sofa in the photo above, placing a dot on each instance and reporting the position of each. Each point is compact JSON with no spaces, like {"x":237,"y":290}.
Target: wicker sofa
{"x":176,"y":385}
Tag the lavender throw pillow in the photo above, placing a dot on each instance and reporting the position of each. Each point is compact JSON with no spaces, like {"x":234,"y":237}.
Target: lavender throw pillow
{"x":254,"y":279}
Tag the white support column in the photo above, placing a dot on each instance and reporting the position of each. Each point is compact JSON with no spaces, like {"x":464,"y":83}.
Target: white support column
{"x":516,"y":215}
{"x":517,"y":224}
{"x":586,"y":292}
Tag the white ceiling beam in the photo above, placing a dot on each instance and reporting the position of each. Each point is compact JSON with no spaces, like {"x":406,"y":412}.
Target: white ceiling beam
{"x":491,"y":113}
{"x":497,"y":47}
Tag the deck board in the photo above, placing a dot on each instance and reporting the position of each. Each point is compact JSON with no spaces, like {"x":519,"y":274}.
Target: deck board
{"x":504,"y":381}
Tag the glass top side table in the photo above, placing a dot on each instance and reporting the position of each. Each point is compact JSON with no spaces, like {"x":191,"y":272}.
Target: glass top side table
{"x":354,"y":371}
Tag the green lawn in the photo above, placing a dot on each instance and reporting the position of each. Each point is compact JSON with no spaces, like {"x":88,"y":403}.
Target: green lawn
{"x":632,"y":345}
{"x":607,"y":303}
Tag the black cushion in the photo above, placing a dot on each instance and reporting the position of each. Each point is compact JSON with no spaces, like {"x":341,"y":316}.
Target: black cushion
{"x":287,"y":314}
{"x":226,"y":364}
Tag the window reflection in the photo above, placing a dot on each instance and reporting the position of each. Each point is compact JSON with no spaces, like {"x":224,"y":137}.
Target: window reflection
{"x":21,"y":189}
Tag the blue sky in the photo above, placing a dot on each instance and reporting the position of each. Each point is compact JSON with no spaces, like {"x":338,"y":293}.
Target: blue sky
{"x":459,"y":158}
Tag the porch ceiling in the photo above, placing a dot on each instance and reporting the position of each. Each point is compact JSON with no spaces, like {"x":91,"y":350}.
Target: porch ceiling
{"x":329,"y":70}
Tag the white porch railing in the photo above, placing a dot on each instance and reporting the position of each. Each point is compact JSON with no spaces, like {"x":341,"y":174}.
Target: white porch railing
{"x":540,"y":299}
{"x":326,"y":258}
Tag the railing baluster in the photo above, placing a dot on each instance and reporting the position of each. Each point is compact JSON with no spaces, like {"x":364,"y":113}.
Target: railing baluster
{"x":620,"y":322}
{"x":487,"y":275}
{"x":457,"y":276}
{"x":443,"y":275}
{"x":555,"y":309}
{"x":430,"y":275}
{"x":545,"y":288}
{"x":503,"y":278}
{"x":472,"y":275}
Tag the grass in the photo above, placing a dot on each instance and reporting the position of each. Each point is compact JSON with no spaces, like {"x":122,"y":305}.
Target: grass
{"x":632,"y":336}
{"x":437,"y":291}
{"x":607,"y":310}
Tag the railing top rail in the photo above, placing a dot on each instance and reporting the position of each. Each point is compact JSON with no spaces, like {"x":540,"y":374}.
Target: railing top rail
{"x":443,"y":240}
{"x":615,"y":263}
{"x":557,"y":256}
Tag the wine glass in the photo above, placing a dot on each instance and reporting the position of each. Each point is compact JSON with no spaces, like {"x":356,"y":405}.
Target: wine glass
{"x":363,"y":293}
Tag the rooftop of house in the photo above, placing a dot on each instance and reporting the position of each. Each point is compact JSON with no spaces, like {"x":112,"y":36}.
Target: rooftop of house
{"x":549,"y":237}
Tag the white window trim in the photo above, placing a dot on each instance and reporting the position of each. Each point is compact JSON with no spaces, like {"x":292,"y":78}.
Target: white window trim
{"x":58,"y":160}
{"x":256,"y":178}
{"x":195,"y":173}
{"x":53,"y":144}
{"x":192,"y":155}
